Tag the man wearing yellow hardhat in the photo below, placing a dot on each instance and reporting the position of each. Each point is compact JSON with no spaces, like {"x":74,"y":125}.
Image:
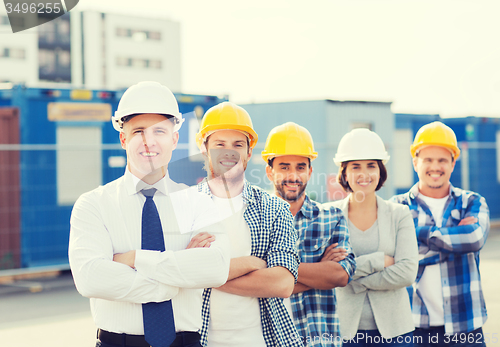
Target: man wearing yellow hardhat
{"x":325,"y":253}
{"x":452,"y":226}
{"x":248,"y":310}
{"x":135,"y":244}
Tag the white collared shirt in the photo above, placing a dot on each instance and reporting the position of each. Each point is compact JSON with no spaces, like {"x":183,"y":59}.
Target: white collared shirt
{"x":107,"y":221}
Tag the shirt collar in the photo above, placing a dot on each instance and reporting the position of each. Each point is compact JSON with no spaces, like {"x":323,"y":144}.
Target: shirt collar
{"x":308,"y":209}
{"x":135,"y":185}
{"x":247,"y":193}
{"x":414,"y":192}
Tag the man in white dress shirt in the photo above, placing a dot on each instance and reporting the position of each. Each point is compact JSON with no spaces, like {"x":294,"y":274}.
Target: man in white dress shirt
{"x":105,"y":252}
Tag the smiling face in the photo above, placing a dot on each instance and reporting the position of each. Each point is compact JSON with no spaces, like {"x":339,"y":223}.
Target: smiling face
{"x":290,"y":174}
{"x":149,"y":140}
{"x":228,"y":154}
{"x":434,"y":166}
{"x":363,"y":176}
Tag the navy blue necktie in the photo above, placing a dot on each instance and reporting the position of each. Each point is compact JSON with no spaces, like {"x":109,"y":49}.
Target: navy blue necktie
{"x":159,"y":328}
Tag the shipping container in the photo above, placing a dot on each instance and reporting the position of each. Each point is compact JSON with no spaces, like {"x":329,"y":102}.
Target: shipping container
{"x":65,"y":146}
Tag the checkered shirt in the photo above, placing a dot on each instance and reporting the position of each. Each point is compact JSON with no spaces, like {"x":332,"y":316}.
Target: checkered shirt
{"x":456,"y":249}
{"x":314,"y":311}
{"x":273,"y":239}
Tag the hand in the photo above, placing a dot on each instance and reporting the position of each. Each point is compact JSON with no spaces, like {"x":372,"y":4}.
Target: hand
{"x":468,"y":221}
{"x":388,"y":261}
{"x":300,"y":287}
{"x":125,"y":258}
{"x":258,"y":263}
{"x":332,"y":253}
{"x":201,"y":240}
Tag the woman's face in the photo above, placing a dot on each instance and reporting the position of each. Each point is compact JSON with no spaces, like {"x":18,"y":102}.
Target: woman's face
{"x":363,"y":175}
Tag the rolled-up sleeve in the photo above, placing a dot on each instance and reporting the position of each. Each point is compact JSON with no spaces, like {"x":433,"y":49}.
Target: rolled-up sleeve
{"x":463,"y":238}
{"x":282,"y":249}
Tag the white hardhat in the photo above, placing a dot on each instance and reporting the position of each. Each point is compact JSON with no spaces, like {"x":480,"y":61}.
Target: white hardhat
{"x":147,"y":97}
{"x":360,"y":144}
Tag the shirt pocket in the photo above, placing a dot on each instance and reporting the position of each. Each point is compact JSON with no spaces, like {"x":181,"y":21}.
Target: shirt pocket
{"x":314,"y":247}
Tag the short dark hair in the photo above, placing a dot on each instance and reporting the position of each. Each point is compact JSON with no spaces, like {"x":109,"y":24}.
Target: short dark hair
{"x":341,"y":177}
{"x":270,"y":161}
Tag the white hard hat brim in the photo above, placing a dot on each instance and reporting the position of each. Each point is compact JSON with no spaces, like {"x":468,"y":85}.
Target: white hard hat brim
{"x":339,"y":160}
{"x":118,"y":125}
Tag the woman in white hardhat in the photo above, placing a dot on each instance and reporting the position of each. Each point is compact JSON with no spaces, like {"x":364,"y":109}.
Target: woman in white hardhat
{"x":375,"y":305}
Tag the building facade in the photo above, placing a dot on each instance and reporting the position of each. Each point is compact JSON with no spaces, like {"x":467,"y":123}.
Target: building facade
{"x":94,"y":50}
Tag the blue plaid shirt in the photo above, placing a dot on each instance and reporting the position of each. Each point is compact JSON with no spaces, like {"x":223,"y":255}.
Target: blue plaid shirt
{"x":456,"y":249}
{"x":314,"y":310}
{"x":273,"y":239}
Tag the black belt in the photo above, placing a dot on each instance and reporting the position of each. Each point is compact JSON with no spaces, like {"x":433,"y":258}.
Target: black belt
{"x":182,"y":338}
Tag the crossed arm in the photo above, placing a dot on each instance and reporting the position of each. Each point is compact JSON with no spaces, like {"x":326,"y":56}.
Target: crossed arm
{"x":336,"y":265}
{"x":250,"y":276}
{"x":468,"y":236}
{"x":200,"y":240}
{"x":200,"y":265}
{"x":325,"y":274}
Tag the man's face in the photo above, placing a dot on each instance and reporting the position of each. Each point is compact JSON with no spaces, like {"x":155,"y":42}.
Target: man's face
{"x":290,"y":174}
{"x":228,"y":154}
{"x":434,"y":166}
{"x":149,"y":140}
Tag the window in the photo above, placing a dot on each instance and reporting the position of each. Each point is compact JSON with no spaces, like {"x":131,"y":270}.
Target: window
{"x":47,"y":32}
{"x":138,"y":34}
{"x":63,"y":27}
{"x":46,"y":61}
{"x":139,"y":63}
{"x":63,"y":31}
{"x":17,"y":53}
{"x":121,"y":61}
{"x":4,"y":20}
{"x":64,"y":58}
{"x":154,"y":35}
{"x":14,"y":53}
{"x":121,"y":32}
{"x":155,"y":64}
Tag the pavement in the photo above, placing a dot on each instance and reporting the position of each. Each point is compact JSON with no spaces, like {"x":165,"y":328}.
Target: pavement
{"x":50,"y":312}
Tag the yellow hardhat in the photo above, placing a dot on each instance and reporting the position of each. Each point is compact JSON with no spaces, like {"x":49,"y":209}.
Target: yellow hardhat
{"x":289,"y":139}
{"x":226,"y":116}
{"x":435,"y":134}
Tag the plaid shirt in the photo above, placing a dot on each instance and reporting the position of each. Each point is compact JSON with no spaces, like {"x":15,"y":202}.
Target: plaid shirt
{"x":455,"y":248}
{"x":273,"y":239}
{"x":314,"y":310}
